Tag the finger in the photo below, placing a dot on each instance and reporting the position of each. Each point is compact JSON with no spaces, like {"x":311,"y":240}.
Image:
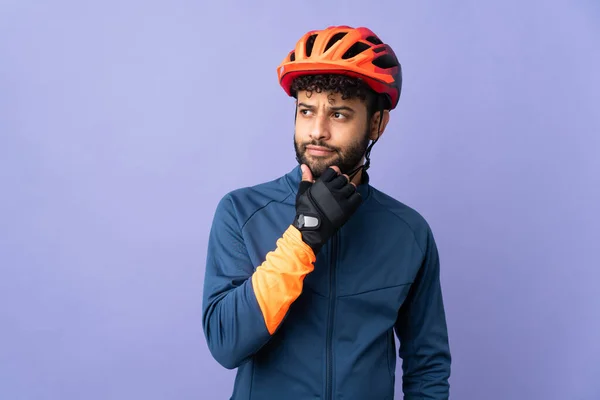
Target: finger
{"x":329,"y":174}
{"x":347,"y":190}
{"x":354,"y":201}
{"x":336,"y":169}
{"x":303,"y":187}
{"x":306,"y":173}
{"x":339,"y":182}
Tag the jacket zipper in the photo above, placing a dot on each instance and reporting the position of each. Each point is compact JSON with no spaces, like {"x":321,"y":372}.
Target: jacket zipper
{"x":331,"y":315}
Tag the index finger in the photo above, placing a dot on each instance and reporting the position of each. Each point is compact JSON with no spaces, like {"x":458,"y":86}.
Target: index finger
{"x":348,"y":179}
{"x":336,"y":169}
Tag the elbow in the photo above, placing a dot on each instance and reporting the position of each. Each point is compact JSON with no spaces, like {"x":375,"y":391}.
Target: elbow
{"x":225,"y":355}
{"x":225,"y":351}
{"x":221,"y":349}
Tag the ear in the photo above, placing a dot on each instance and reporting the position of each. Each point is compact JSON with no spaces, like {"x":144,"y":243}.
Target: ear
{"x":376,"y":132}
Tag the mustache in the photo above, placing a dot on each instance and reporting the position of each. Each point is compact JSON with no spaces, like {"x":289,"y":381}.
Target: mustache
{"x":320,"y":144}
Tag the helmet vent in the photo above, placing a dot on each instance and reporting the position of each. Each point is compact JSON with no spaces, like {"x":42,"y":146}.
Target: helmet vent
{"x":310,"y":42}
{"x":293,"y":56}
{"x":385,"y":61}
{"x":335,"y":38}
{"x":374,"y":39}
{"x":356,"y":48}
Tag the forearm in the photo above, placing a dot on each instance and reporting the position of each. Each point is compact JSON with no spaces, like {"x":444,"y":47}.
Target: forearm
{"x":239,"y":320}
{"x":279,"y":280}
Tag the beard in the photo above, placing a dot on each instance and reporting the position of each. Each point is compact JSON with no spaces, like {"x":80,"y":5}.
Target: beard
{"x":345,"y":159}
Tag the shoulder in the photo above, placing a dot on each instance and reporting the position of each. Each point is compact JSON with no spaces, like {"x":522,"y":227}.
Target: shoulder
{"x":405,"y":215}
{"x":244,"y":202}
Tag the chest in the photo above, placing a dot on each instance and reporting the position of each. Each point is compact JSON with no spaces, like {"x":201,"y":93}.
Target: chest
{"x":374,"y":250}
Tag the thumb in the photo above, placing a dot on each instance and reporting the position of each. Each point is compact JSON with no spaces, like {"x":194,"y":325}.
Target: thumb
{"x":306,"y":173}
{"x":307,"y":181}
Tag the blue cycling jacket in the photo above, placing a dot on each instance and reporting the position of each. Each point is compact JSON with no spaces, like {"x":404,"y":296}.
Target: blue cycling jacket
{"x":299,"y":326}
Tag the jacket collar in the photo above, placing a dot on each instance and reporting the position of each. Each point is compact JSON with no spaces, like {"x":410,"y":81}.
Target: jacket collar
{"x":294,"y":177}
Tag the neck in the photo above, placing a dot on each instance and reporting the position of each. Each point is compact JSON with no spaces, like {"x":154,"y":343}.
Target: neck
{"x":357,"y":178}
{"x":358,"y":172}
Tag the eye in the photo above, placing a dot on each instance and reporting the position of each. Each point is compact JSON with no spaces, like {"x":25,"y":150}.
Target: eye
{"x":338,"y":115}
{"x":304,"y":111}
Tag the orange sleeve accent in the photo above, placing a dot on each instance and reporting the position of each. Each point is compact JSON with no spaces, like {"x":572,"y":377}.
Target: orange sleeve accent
{"x":278,"y":281}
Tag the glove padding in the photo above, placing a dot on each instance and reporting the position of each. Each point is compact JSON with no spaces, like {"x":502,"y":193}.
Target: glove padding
{"x":324,"y":206}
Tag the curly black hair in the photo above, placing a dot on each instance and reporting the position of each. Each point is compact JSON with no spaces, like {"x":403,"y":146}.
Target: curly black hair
{"x":348,"y":87}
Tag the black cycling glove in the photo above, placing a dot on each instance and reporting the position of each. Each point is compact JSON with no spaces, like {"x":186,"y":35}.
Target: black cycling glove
{"x":324,"y":206}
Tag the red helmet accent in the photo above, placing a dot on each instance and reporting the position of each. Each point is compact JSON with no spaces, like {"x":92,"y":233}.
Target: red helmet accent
{"x":355,"y":52}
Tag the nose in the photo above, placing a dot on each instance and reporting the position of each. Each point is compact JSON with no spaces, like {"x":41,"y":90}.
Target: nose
{"x":320,"y":128}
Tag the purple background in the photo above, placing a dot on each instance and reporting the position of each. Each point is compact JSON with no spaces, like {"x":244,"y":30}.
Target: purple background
{"x":112,"y":115}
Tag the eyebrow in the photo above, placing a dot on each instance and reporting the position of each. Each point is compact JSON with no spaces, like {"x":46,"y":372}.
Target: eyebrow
{"x":338,"y":108}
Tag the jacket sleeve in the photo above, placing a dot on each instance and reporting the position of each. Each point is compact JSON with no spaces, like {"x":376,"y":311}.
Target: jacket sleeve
{"x":423,"y":335}
{"x":243,"y":304}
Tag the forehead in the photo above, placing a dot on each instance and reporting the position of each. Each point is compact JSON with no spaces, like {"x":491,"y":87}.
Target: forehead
{"x":326,"y":98}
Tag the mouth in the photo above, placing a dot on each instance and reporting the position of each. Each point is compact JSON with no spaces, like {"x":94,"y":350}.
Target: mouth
{"x":318,"y":151}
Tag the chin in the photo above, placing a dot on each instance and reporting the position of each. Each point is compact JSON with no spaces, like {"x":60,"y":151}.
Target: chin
{"x":318,"y":168}
{"x":318,"y":165}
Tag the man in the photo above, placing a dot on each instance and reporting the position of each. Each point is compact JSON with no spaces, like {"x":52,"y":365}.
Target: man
{"x":309,"y":275}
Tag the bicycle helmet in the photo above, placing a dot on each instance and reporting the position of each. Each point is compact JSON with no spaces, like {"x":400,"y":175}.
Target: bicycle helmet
{"x":355,"y":52}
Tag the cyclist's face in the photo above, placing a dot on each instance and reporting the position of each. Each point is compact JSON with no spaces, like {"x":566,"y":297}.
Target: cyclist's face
{"x":330,"y":131}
